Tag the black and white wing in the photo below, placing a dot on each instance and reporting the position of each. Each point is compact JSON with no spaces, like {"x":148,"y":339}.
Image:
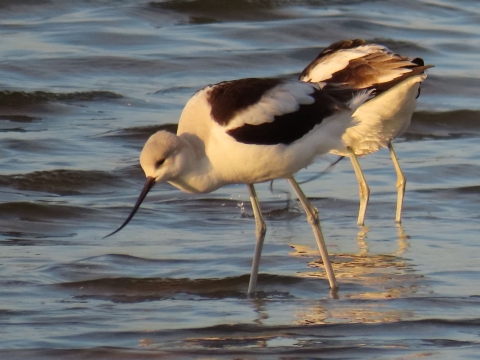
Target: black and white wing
{"x":274,"y":111}
{"x":359,"y":65}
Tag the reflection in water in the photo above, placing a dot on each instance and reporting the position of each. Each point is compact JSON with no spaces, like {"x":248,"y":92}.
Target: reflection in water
{"x":381,"y":276}
{"x":402,"y":240}
{"x":363,"y":244}
{"x":259,"y":305}
{"x":365,"y":313}
{"x":361,"y":236}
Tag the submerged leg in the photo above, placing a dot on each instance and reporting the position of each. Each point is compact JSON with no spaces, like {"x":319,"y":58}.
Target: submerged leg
{"x":260,"y":231}
{"x":401,"y":183}
{"x":364,"y":191}
{"x":312,"y":217}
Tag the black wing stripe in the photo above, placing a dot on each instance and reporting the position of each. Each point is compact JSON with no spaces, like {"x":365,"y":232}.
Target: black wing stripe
{"x":287,"y":128}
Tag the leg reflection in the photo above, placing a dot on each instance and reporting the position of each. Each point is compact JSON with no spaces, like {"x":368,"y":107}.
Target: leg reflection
{"x":403,"y":243}
{"x":361,"y":239}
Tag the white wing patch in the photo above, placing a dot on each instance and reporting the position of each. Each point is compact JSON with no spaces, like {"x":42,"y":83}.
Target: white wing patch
{"x":282,"y":99}
{"x":339,"y":60}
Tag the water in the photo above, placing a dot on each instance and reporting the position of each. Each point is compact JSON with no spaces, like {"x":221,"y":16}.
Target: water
{"x":82,"y":86}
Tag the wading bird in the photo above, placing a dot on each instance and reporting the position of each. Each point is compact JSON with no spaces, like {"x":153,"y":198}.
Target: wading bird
{"x":250,"y":131}
{"x":396,"y":80}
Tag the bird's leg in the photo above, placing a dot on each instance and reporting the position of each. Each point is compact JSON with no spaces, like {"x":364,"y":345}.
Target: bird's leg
{"x":312,"y":217}
{"x":364,"y":190}
{"x":260,"y":231}
{"x":401,"y":183}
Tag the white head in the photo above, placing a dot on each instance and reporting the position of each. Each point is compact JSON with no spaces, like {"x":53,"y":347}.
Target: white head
{"x":161,"y":159}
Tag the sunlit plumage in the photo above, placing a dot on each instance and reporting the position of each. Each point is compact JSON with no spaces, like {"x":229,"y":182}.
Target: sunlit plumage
{"x":396,"y":80}
{"x":249,"y":131}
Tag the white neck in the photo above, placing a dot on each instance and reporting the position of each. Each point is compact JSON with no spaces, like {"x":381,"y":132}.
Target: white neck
{"x":197,"y":173}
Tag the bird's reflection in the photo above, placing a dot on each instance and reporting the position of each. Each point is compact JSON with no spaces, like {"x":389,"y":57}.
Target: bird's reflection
{"x":364,"y":264}
{"x":363,"y":275}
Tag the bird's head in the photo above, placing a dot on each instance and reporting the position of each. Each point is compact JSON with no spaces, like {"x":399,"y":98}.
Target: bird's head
{"x":161,"y":159}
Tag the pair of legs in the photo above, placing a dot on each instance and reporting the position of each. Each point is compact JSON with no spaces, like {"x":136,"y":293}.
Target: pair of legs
{"x":312,"y":217}
{"x":365,"y":191}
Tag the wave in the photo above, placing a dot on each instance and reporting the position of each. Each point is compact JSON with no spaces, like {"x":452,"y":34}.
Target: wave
{"x":22,"y":98}
{"x":444,"y":124}
{"x":126,"y":289}
{"x":402,"y":339}
{"x":19,"y":118}
{"x":141,"y":132}
{"x":211,"y":11}
{"x":454,"y":192}
{"x":60,"y":182}
{"x":42,"y":212}
{"x":239,"y":5}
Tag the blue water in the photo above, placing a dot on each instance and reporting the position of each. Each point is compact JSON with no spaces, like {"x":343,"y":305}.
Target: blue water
{"x":82,"y":86}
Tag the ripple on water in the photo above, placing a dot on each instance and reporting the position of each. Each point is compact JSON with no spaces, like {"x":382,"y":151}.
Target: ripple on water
{"x":40,"y":220}
{"x":84,"y":84}
{"x":140,"y":134}
{"x":19,"y":99}
{"x":60,"y":182}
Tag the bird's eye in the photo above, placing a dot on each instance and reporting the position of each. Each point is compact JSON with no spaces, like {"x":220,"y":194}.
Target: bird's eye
{"x":159,"y":163}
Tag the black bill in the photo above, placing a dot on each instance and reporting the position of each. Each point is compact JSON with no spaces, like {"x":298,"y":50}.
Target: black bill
{"x":146,"y":188}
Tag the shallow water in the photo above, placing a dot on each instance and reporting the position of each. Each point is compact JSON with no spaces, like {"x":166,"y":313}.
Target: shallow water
{"x":82,"y":86}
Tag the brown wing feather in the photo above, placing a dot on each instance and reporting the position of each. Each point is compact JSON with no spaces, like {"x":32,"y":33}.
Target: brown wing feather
{"x":388,"y":85}
{"x":367,"y":71}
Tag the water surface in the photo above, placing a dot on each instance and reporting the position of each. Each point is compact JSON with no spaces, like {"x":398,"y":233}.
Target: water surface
{"x":83,"y":84}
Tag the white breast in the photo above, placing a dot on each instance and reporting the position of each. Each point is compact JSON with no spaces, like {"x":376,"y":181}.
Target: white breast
{"x":382,"y":119}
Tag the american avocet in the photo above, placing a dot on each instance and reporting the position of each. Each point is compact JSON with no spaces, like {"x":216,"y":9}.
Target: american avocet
{"x":396,"y":78}
{"x":250,"y":131}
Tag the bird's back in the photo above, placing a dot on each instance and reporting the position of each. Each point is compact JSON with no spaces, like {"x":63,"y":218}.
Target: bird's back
{"x":395,"y":78}
{"x":358,"y":65}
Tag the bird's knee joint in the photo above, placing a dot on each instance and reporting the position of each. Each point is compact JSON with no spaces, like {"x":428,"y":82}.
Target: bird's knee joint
{"x":263,"y":229}
{"x":364,"y":191}
{"x":312,"y":217}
